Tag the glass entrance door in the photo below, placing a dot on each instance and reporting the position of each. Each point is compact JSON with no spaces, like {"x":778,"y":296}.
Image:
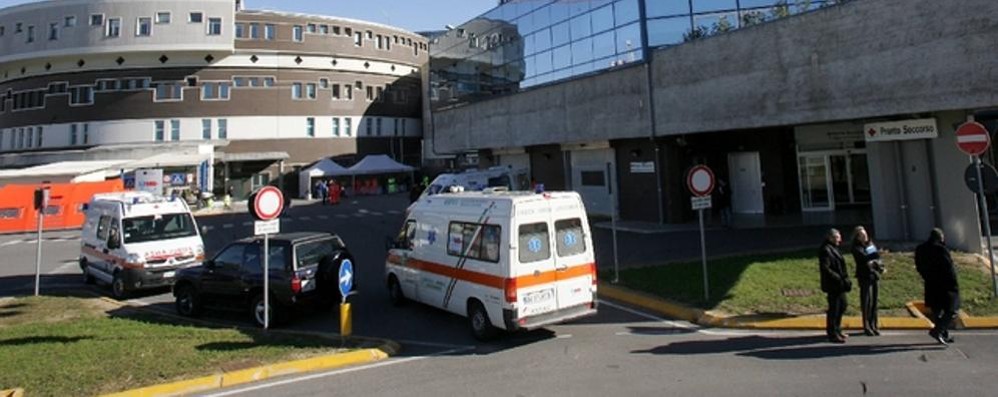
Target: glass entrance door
{"x":815,"y":183}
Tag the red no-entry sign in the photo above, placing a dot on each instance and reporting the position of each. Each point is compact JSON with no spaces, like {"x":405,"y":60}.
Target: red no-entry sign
{"x":267,"y":203}
{"x":700,"y":180}
{"x":972,"y":138}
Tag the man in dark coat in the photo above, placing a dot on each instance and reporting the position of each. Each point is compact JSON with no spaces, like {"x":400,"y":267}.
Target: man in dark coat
{"x":835,"y":283}
{"x":942,"y":291}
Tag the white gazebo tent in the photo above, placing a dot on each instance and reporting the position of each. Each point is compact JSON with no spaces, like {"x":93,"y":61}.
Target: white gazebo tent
{"x":321,"y":169}
{"x":376,"y":164}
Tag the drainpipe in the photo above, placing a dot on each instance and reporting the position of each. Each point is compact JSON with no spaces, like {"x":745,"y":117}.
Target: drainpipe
{"x":646,"y":54}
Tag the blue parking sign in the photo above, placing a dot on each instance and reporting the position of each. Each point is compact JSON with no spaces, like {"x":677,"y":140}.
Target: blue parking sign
{"x":346,"y":278}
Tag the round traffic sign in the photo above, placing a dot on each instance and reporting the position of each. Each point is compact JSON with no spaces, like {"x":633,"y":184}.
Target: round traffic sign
{"x":988,"y":175}
{"x":267,"y":203}
{"x":973,"y":138}
{"x":700,"y":180}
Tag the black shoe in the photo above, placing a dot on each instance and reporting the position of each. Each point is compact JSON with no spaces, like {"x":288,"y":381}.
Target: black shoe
{"x":939,"y":338}
{"x":836,"y":339}
{"x":876,"y":332}
{"x":869,"y":332}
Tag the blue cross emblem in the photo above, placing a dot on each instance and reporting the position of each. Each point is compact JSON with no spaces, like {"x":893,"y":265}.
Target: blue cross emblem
{"x":431,"y":236}
{"x":571,"y":239}
{"x":534,"y":245}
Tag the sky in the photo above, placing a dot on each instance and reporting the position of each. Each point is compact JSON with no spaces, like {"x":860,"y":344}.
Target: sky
{"x":412,"y":15}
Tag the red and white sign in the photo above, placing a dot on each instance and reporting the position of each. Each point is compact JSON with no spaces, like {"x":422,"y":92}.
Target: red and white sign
{"x":268,"y":202}
{"x":973,"y":138}
{"x":700,"y":180}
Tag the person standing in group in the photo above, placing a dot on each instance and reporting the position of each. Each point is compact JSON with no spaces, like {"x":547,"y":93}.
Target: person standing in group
{"x":334,"y":192}
{"x":869,"y":269}
{"x":835,"y":283}
{"x":942,"y":290}
{"x":323,"y":191}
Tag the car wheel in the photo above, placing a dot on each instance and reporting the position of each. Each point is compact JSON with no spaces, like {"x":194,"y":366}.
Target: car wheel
{"x":188,"y":302}
{"x":87,"y":277}
{"x":478,"y":319}
{"x":395,"y":291}
{"x":257,"y":309}
{"x":118,"y":289}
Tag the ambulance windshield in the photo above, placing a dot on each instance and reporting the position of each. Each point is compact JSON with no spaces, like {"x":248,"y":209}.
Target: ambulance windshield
{"x":158,"y":227}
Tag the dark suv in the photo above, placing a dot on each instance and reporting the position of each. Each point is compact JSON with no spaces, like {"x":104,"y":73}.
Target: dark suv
{"x":303,"y":272}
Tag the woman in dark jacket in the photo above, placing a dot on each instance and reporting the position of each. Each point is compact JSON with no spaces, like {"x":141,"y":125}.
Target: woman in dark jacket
{"x":869,"y":268}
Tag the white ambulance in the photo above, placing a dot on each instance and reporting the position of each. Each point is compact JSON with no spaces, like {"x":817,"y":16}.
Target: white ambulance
{"x":506,"y":260}
{"x":137,"y":240}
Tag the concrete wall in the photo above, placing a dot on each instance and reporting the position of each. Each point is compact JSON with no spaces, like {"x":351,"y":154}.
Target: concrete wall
{"x":957,"y":214}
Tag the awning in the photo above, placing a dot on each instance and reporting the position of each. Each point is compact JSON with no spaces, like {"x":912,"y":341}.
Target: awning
{"x":379,"y":164}
{"x":168,"y":160}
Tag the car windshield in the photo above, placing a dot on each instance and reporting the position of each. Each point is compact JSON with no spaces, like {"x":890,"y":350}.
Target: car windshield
{"x":158,"y":227}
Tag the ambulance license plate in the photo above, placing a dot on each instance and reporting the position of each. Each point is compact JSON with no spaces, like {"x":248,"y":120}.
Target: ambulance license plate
{"x":169,"y":274}
{"x":538,"y":296}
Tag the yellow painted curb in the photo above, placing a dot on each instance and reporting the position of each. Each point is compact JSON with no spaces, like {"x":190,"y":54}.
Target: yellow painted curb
{"x":234,"y":378}
{"x":649,"y":302}
{"x":12,"y":393}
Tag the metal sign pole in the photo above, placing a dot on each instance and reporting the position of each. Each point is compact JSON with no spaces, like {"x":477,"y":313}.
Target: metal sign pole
{"x":614,"y":207}
{"x":266,"y":281}
{"x":703,"y":257}
{"x":987,"y":225}
{"x":38,"y":252}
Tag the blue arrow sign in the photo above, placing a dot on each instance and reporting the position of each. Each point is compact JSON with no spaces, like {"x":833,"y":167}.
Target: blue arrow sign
{"x":346,"y":277}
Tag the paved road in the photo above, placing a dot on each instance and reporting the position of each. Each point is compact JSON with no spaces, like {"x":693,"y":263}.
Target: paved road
{"x":620,"y":351}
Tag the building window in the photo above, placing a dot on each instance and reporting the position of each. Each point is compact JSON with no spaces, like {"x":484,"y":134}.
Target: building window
{"x":240,"y":82}
{"x":144,"y":27}
{"x":195,"y":17}
{"x":174,"y":130}
{"x":381,"y":42}
{"x":81,"y":95}
{"x":378,"y":132}
{"x":269,"y":31}
{"x":223,"y":129}
{"x":347,"y":125}
{"x":38,"y":137}
{"x":310,"y":126}
{"x":163,"y":18}
{"x":214,"y":26}
{"x":358,"y":39}
{"x":348,"y":91}
{"x":370,"y":93}
{"x":370,"y":35}
{"x":160,"y":130}
{"x":70,"y":21}
{"x":3,"y":30}
{"x":269,"y":81}
{"x":254,"y":31}
{"x":206,"y":129}
{"x":336,"y":126}
{"x":113,"y":27}
{"x":380,"y":96}
{"x":86,"y":133}
{"x":324,"y":83}
{"x":260,"y":180}
{"x":311,"y":27}
{"x":296,"y":32}
{"x":296,"y":92}
{"x":53,"y":31}
{"x":323,"y":29}
{"x":135,"y":84}
{"x":31,"y":34}
{"x":347,"y":32}
{"x":29,"y":138}
{"x":336,"y":91}
{"x":218,"y":91}
{"x":370,"y":126}
{"x":396,"y":130}
{"x":169,"y":91}
{"x":107,"y":85}
{"x":97,"y":20}
{"x":240,"y":31}
{"x":73,"y":134}
{"x":336,"y":30}
{"x":310,"y":90}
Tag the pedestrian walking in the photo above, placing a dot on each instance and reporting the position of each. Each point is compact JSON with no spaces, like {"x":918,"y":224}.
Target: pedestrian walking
{"x":228,"y":197}
{"x":869,"y":269}
{"x":835,"y":283}
{"x":942,"y":291}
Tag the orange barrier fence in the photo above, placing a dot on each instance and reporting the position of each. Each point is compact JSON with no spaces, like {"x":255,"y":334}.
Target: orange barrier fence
{"x":65,"y":209}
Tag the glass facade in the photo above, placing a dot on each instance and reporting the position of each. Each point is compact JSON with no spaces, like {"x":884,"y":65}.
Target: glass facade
{"x":526,"y":43}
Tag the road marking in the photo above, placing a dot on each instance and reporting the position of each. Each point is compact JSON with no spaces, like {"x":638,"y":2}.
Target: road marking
{"x":332,"y":373}
{"x":358,"y":215}
{"x":209,"y":228}
{"x":248,"y":223}
{"x":395,"y":212}
{"x":648,"y":316}
{"x":376,"y":213}
{"x":362,"y":211}
{"x":305,"y":218}
{"x":565,"y":336}
{"x":342,"y":216}
{"x":227,"y":226}
{"x":11,"y":242}
{"x":65,"y":268}
{"x":323,"y":217}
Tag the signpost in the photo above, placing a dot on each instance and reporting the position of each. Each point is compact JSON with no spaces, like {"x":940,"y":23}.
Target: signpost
{"x":974,"y":139}
{"x":700,"y":181}
{"x":41,"y":203}
{"x":345,"y":277}
{"x":267,"y":204}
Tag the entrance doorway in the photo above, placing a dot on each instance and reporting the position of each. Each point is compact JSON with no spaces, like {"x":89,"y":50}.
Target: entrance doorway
{"x":745,"y":171}
{"x":830,"y":180}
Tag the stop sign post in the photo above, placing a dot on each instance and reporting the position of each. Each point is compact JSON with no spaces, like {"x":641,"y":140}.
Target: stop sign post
{"x":974,"y":139}
{"x":700,"y":180}
{"x":266,"y":205}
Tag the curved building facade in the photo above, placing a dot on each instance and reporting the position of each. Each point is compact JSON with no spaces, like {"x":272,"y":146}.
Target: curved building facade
{"x":267,"y":91}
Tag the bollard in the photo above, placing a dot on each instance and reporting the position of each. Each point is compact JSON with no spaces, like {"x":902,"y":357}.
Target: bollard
{"x":346,"y":320}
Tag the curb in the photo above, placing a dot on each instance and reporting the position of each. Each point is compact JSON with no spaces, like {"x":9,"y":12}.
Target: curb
{"x":225,"y":379}
{"x":806,"y":322}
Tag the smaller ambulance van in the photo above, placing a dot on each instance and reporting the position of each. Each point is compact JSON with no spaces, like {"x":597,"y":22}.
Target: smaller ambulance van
{"x":506,"y":260}
{"x":137,"y":240}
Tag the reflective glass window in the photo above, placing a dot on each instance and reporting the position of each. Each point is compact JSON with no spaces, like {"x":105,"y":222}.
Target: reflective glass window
{"x":560,"y":34}
{"x":659,"y":8}
{"x":581,"y":27}
{"x":528,"y":45}
{"x":716,"y":23}
{"x":627,"y":11}
{"x":559,"y":11}
{"x":525,"y":24}
{"x":562,"y":57}
{"x":530,"y":66}
{"x":541,"y":18}
{"x":602,"y":19}
{"x":582,"y":51}
{"x":749,"y":3}
{"x":543,"y":62}
{"x":604,"y":45}
{"x":667,"y":30}
{"x":713,"y":5}
{"x":578,"y":7}
{"x":542,"y":39}
{"x":628,"y":38}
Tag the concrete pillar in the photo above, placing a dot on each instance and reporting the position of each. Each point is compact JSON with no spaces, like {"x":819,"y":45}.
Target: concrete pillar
{"x":957,"y":209}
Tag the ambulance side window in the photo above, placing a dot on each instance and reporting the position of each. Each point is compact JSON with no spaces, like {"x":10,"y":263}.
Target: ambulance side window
{"x":534,"y":242}
{"x":114,"y":235}
{"x":407,"y":235}
{"x":102,"y":226}
{"x":461,"y":240}
{"x":569,"y":237}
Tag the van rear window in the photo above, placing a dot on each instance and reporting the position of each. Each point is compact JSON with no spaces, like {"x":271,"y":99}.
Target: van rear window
{"x":313,"y":253}
{"x":534,"y":242}
{"x":569,"y":237}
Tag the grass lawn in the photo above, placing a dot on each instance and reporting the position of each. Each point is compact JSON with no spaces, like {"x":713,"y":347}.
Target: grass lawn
{"x":788,"y":283}
{"x":73,"y":347}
